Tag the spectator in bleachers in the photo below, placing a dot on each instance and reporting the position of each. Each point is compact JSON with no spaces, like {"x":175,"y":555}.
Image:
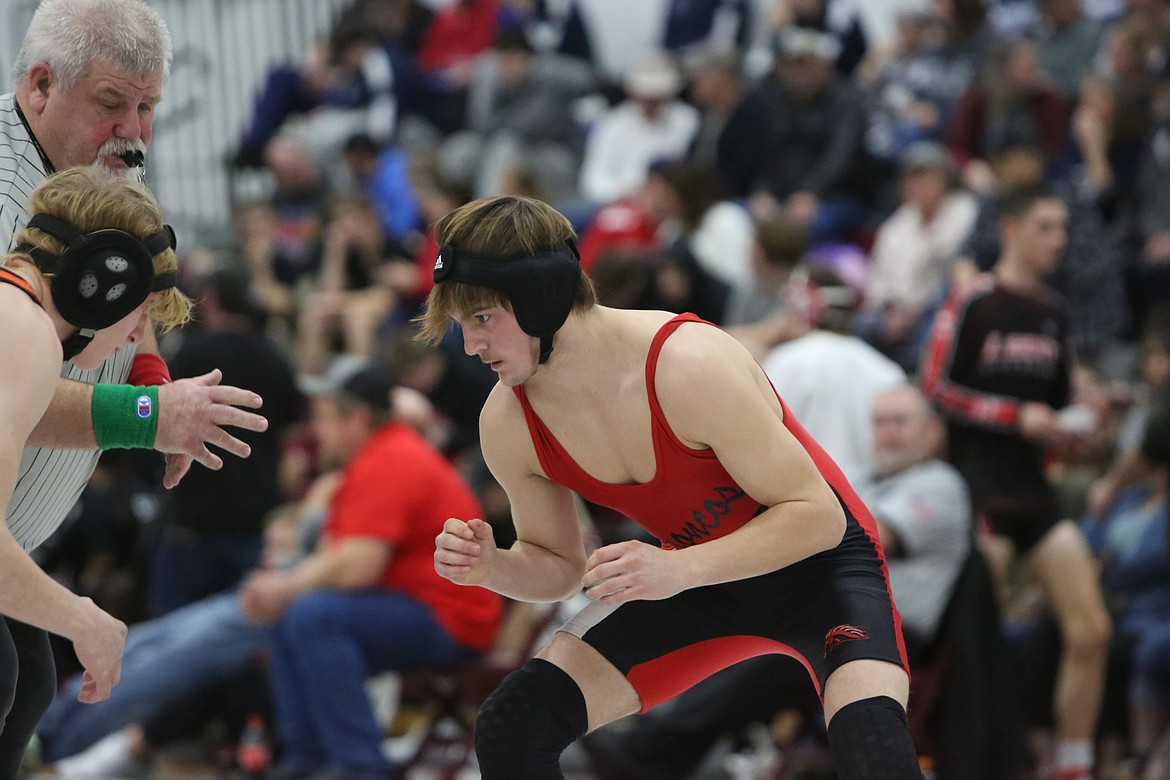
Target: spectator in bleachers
{"x":810,"y":159}
{"x":369,"y":598}
{"x":914,"y":254}
{"x":457,"y":34}
{"x":455,"y":384}
{"x":1154,"y":382}
{"x":718,"y":89}
{"x":275,"y":268}
{"x":1010,"y":99}
{"x":211,"y":522}
{"x":651,"y":124}
{"x":169,"y":660}
{"x":1118,"y":92}
{"x":350,"y":298}
{"x":913,"y":92}
{"x":1132,"y":543}
{"x":552,"y":26}
{"x":1067,"y":44}
{"x":1151,"y":204}
{"x":998,"y":365}
{"x":520,"y":108}
{"x":828,"y":376}
{"x":723,"y":24}
{"x":779,"y":246}
{"x":833,"y":17}
{"x":383,"y":175}
{"x":687,"y":202}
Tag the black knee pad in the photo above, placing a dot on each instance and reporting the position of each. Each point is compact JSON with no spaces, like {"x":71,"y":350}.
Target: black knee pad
{"x":527,"y":722}
{"x":870,"y":741}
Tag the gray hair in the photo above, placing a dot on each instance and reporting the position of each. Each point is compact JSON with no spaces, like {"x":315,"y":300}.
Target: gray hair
{"x":71,"y":35}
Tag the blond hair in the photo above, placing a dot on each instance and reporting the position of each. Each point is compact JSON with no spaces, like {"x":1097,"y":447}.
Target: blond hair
{"x":90,"y":200}
{"x":504,"y":225}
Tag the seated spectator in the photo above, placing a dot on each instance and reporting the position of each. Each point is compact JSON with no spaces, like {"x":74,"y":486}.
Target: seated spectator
{"x":651,"y":124}
{"x":552,"y":26}
{"x":914,"y":254}
{"x":718,"y":88}
{"x":368,"y":599}
{"x":1011,"y":100}
{"x":172,"y":658}
{"x":687,"y":202}
{"x":520,"y":108}
{"x":1151,"y":201}
{"x":456,"y":385}
{"x":1067,"y":44}
{"x":1133,"y":545}
{"x":834,"y":17}
{"x":383,"y":175}
{"x":274,"y":267}
{"x":622,"y":226}
{"x":721,"y":24}
{"x":810,"y":160}
{"x":350,"y":300}
{"x":356,"y":83}
{"x":828,"y":376}
{"x":755,"y":311}
{"x":923,"y":514}
{"x":914,"y":92}
{"x":1154,"y":363}
{"x":457,"y":34}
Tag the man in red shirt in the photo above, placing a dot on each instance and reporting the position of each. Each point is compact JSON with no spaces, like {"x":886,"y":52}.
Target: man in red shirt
{"x":369,"y":598}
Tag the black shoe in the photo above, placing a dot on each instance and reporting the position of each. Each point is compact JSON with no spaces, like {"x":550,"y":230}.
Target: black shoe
{"x":611,"y":760}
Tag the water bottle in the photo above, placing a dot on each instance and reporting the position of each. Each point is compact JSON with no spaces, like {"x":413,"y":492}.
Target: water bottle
{"x":252,"y":753}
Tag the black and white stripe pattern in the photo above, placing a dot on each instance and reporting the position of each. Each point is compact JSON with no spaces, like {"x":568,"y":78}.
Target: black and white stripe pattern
{"x":50,"y":481}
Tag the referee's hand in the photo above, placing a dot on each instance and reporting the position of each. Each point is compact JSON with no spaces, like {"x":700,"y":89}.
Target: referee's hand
{"x":194,"y":413}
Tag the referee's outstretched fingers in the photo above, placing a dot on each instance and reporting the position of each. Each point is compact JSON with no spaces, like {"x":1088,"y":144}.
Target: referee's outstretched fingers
{"x":193,"y":413}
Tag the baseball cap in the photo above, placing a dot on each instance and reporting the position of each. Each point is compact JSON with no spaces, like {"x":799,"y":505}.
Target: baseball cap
{"x":353,"y":376}
{"x":654,"y":78}
{"x":794,"y":41}
{"x":927,"y":156}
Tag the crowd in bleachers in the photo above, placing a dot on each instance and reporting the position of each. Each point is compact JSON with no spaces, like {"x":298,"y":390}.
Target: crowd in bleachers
{"x":769,"y":167}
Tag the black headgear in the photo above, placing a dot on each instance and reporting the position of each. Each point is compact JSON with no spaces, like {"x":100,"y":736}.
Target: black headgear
{"x":102,"y":276}
{"x":540,"y":285}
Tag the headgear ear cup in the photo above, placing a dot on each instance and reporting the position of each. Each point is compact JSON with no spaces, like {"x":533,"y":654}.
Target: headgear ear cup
{"x":103,"y":275}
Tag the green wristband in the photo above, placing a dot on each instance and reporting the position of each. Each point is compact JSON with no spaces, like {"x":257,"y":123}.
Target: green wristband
{"x":125,"y":416}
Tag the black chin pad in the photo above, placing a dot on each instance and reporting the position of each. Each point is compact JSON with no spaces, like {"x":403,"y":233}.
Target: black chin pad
{"x":540,"y":286}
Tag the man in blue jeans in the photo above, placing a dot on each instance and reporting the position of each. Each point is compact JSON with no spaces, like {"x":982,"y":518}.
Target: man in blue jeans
{"x":367,"y":600}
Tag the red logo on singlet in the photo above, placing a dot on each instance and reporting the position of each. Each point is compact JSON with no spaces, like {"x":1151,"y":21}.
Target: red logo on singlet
{"x":843,"y":634}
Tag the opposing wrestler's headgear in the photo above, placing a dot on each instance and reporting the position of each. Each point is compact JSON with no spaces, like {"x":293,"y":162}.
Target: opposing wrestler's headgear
{"x":541,"y":286}
{"x":103,"y":275}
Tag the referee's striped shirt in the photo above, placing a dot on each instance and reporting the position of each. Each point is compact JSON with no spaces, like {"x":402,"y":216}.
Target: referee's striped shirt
{"x":50,"y":481}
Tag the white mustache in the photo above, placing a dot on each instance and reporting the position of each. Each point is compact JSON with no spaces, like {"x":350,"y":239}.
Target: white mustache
{"x":115,"y":147}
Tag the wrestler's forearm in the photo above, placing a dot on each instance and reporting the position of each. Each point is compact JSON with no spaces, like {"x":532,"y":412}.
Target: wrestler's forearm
{"x":68,"y":422}
{"x":528,"y":572}
{"x":781,"y":536}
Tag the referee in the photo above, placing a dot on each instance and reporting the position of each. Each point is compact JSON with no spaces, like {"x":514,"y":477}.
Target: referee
{"x":87,"y":78}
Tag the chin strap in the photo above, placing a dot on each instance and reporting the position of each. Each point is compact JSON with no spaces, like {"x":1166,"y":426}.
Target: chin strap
{"x":546,"y":344}
{"x":73,"y":345}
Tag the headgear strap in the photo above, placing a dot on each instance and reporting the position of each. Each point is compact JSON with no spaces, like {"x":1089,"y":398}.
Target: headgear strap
{"x":541,"y":286}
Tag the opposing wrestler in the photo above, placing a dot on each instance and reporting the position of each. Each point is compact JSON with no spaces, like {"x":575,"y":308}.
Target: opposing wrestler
{"x":765,"y":547}
{"x":94,"y":265}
